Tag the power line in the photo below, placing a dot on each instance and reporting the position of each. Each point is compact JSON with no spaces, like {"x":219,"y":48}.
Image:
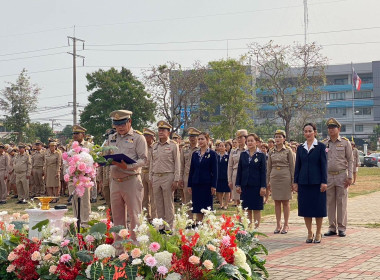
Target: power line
{"x":39,"y":50}
{"x":36,"y":32}
{"x":27,"y":57}
{"x":35,"y":72}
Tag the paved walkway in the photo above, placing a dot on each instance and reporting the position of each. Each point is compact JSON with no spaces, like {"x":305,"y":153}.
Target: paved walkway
{"x":356,"y":256}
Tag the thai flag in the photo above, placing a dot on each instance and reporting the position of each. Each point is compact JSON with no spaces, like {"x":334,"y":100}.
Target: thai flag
{"x":356,"y":81}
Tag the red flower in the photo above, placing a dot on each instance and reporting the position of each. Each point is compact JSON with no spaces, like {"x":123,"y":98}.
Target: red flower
{"x":25,"y":267}
{"x":68,"y":272}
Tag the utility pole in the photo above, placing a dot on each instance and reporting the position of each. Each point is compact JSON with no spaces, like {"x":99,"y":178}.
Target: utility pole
{"x":53,"y":122}
{"x":305,"y":18}
{"x":75,"y":55}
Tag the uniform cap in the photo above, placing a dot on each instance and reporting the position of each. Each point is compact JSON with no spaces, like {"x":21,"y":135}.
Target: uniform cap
{"x":175,"y":136}
{"x":164,"y":124}
{"x":187,"y":141}
{"x":9,"y":150}
{"x":77,"y":128}
{"x":331,"y":122}
{"x":271,"y":140}
{"x":193,"y":131}
{"x":37,"y":142}
{"x":21,"y":145}
{"x":241,"y":132}
{"x":217,"y":142}
{"x":53,"y":144}
{"x":2,"y":145}
{"x":147,"y":131}
{"x":120,"y":117}
{"x":281,"y":132}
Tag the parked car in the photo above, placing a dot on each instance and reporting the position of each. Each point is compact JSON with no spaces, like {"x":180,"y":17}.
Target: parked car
{"x":361,"y":158}
{"x":372,"y":160}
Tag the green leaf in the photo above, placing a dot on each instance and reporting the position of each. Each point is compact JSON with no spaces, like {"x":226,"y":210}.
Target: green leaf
{"x":96,"y":271}
{"x":108,"y":272}
{"x":84,"y":256}
{"x":100,"y":228}
{"x":131,"y":271}
{"x":116,"y":229}
{"x":81,"y":277}
{"x":3,"y":254}
{"x":39,"y":225}
{"x":19,"y":224}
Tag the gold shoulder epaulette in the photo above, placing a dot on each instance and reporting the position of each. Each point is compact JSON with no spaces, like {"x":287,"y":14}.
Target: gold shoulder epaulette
{"x":173,"y":141}
{"x":345,"y":138}
{"x":138,"y":132}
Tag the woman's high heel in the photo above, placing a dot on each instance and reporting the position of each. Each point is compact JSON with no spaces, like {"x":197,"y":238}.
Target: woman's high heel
{"x":310,"y":240}
{"x":318,"y":240}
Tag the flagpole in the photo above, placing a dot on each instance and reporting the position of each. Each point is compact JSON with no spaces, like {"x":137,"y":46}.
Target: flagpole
{"x":353,"y":97}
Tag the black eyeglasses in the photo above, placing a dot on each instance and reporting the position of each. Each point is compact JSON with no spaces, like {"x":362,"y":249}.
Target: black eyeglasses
{"x":76,"y":133}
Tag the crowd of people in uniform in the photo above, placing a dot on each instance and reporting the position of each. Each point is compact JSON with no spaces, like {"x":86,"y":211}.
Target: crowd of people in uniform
{"x":164,"y":169}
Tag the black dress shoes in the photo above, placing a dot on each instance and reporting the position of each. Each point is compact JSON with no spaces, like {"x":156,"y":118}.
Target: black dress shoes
{"x":310,"y":240}
{"x":342,"y":233}
{"x":330,"y":233}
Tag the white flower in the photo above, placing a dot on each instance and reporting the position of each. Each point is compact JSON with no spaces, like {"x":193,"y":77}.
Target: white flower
{"x":101,"y":208}
{"x":143,"y":228}
{"x":86,"y":158}
{"x":69,"y":220}
{"x":246,"y":267}
{"x":240,"y":258}
{"x":139,"y":278}
{"x":157,"y":222}
{"x":3,"y":213}
{"x":105,"y":251}
{"x":88,"y":271}
{"x":136,"y":261}
{"x":163,"y":259}
{"x":143,"y":239}
{"x":173,"y":276}
{"x":56,"y":239}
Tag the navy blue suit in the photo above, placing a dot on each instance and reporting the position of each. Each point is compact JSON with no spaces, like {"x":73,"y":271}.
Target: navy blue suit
{"x":251,"y":176}
{"x":222,"y":185}
{"x":310,"y":172}
{"x":203,"y":176}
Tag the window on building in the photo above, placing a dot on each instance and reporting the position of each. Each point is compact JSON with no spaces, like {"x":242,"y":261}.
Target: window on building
{"x":343,"y":128}
{"x":358,"y":128}
{"x":337,"y":95}
{"x":363,"y":111}
{"x":362,"y":94}
{"x":337,"y":112}
{"x":266,"y":114}
{"x":343,"y":81}
{"x":366,"y":80}
{"x":268,"y":99}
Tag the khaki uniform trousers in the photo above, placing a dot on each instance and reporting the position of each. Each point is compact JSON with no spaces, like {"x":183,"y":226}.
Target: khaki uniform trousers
{"x":107,"y":193}
{"x":187,"y":197}
{"x":337,"y":196}
{"x":38,"y":183}
{"x":234,"y":194}
{"x":22,"y":185}
{"x":94,"y":190}
{"x":126,"y":198}
{"x":148,"y":200}
{"x":3,"y":186}
{"x":164,"y":196}
{"x":85,"y":205}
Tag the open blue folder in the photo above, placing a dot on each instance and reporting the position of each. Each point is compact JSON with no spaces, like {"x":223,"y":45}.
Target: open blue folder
{"x":119,"y":158}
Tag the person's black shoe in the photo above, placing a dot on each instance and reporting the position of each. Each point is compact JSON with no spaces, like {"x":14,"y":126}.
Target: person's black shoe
{"x":3,"y":202}
{"x":310,"y":240}
{"x":19,"y":202}
{"x":342,"y":233}
{"x":69,"y":203}
{"x":15,"y":196}
{"x":330,"y":233}
{"x":102,"y":198}
{"x":93,"y":200}
{"x":23,"y":202}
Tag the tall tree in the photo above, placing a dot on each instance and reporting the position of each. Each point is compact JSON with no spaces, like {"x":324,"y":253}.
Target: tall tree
{"x":266,"y":129}
{"x":177,"y":92}
{"x":65,"y":134}
{"x":41,"y":131}
{"x":18,"y":100}
{"x":228,"y":101}
{"x":293,"y":76}
{"x":115,"y":90}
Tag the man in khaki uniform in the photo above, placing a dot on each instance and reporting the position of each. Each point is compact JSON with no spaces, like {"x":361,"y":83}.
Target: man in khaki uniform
{"x":22,"y":167}
{"x":164,"y":172}
{"x":127,"y":190}
{"x":176,"y":138}
{"x":148,"y":200}
{"x":185,"y":160}
{"x":85,"y":205}
{"x":233,"y":163}
{"x":38,"y":159}
{"x":4,"y":169}
{"x":339,"y":178}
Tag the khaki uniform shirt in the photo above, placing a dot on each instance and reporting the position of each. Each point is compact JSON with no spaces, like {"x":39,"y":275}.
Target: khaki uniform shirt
{"x":233,"y":162}
{"x":4,"y":162}
{"x":282,"y":158}
{"x":355,"y":153}
{"x":147,"y":165}
{"x":165,"y":159}
{"x":133,"y":145}
{"x":339,"y":155}
{"x":185,"y":159}
{"x":38,"y":159}
{"x":22,"y":164}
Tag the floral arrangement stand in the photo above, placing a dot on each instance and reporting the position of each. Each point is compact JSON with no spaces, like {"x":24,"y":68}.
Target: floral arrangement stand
{"x":38,"y":215}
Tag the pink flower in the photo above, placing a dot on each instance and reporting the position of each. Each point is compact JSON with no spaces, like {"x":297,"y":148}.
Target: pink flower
{"x":65,"y":156}
{"x":11,"y":268}
{"x":327,"y":150}
{"x":35,"y":239}
{"x":136,"y":253}
{"x":65,"y":258}
{"x":194,"y":260}
{"x":208,"y":264}
{"x":77,"y":150}
{"x":85,"y":150}
{"x":75,"y":144}
{"x":80,"y":191}
{"x":151,"y":262}
{"x":123,"y":233}
{"x":66,"y":177}
{"x":53,"y":249}
{"x":36,"y":256}
{"x":25,"y":217}
{"x":162,"y":270}
{"x":154,"y":247}
{"x":82,"y":166}
{"x":226,"y":241}
{"x":12,"y":256}
{"x":20,"y":246}
{"x":52,"y":269}
{"x":65,"y":242}
{"x":211,"y":247}
{"x":243,"y":232}
{"x":147,"y":256}
{"x":10,"y":227}
{"x":124,"y":257}
{"x":16,"y":215}
{"x":72,"y":170}
{"x":89,"y":238}
{"x":48,"y":257}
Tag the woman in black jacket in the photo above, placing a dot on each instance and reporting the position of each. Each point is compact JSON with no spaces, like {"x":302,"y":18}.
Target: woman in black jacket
{"x":251,"y":179}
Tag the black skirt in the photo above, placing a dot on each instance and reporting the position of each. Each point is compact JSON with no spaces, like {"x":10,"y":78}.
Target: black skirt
{"x":251,"y":198}
{"x":201,"y":197}
{"x":222,"y":186}
{"x":311,"y":201}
